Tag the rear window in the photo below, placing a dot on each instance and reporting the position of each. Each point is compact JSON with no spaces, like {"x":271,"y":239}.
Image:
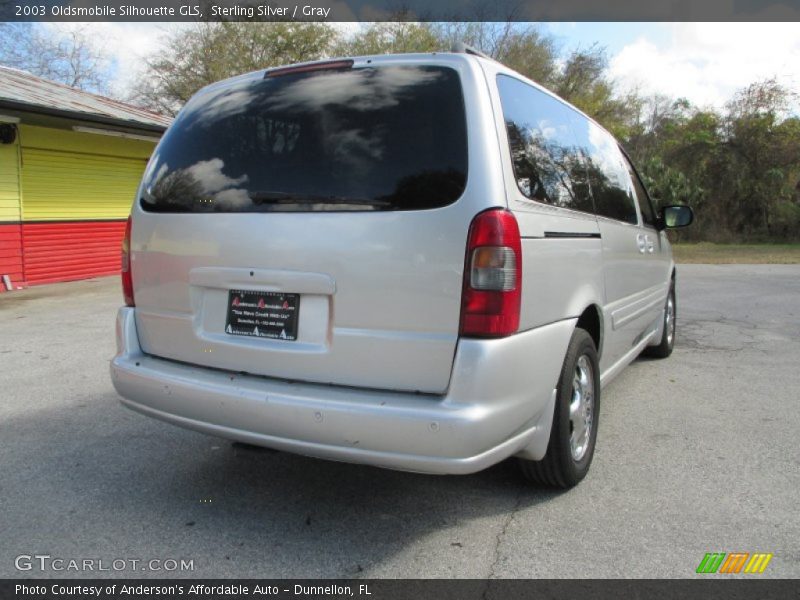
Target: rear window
{"x":384,"y":138}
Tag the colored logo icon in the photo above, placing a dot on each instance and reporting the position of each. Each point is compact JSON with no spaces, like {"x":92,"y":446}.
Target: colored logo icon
{"x":734,"y":562}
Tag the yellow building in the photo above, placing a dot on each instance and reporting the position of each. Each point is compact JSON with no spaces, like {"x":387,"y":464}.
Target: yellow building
{"x":70,"y":163}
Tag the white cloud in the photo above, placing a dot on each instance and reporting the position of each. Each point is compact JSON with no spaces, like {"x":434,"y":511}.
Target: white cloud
{"x":208,"y":173}
{"x":130,"y":44}
{"x":708,"y":62}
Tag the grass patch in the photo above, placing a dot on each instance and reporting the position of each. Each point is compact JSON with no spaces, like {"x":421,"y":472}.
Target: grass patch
{"x":719,"y":254}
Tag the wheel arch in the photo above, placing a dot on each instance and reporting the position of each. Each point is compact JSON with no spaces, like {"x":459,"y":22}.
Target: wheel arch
{"x":591,"y":320}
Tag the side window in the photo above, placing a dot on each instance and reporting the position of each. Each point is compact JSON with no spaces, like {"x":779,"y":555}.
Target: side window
{"x":607,"y":172}
{"x":648,"y":215}
{"x":546,"y":159}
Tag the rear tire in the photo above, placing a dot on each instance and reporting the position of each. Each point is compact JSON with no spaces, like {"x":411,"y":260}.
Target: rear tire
{"x":575,"y":419}
{"x":667,"y":343}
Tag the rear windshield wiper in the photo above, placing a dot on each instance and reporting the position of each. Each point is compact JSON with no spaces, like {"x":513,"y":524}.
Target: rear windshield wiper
{"x":274,"y":197}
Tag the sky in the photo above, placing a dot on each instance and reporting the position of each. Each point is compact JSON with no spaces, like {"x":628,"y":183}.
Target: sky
{"x":703,"y":62}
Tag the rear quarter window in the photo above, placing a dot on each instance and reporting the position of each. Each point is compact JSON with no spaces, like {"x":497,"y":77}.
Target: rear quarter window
{"x":545,"y":155}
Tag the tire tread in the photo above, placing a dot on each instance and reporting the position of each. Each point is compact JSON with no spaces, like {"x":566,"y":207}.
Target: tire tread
{"x":663,"y":349}
{"x":550,"y":472}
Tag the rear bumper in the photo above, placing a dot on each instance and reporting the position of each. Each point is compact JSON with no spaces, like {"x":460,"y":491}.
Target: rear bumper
{"x":499,"y":403}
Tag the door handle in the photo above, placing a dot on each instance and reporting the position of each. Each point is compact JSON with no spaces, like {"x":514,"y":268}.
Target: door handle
{"x":649,"y":244}
{"x":641,"y":243}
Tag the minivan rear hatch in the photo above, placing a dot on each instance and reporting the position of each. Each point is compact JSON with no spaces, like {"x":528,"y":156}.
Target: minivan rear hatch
{"x":310,"y":225}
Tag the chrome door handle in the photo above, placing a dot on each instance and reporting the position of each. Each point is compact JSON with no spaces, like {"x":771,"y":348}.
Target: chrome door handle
{"x":641,"y":243}
{"x":649,"y":244}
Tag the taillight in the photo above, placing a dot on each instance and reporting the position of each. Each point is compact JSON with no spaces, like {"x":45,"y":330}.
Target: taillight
{"x":127,"y":279}
{"x":490,"y":302}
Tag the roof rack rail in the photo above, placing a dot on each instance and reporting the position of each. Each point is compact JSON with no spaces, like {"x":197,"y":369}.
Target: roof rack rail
{"x":463,"y":48}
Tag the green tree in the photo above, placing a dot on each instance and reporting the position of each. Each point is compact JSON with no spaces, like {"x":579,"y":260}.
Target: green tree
{"x":738,"y":167}
{"x":676,"y":148}
{"x":761,"y":174}
{"x":209,"y":52}
{"x":583,"y":82}
{"x":393,"y":37}
{"x":522,"y":47}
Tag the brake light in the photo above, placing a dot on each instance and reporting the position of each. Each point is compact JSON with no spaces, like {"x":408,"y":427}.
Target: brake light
{"x":318,"y":66}
{"x":127,"y":278}
{"x":490,"y":303}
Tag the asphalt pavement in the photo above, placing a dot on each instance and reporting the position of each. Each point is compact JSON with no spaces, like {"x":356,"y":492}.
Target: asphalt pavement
{"x":697,"y":453}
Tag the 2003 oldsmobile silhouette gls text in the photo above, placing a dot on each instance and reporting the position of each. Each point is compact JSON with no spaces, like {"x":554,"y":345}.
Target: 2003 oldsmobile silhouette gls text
{"x":184,"y":10}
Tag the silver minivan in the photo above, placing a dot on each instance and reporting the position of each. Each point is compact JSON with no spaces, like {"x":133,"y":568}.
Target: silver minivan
{"x":422,"y":262}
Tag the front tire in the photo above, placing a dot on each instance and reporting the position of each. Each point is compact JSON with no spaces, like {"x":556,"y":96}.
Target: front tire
{"x":667,"y":343}
{"x":574,"y":432}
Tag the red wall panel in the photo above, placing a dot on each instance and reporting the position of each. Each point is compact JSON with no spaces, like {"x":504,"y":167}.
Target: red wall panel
{"x":65,"y":251}
{"x":11,"y":253}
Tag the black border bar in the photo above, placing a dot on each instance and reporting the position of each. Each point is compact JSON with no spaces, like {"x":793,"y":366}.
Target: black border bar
{"x":707,"y":588}
{"x":390,"y":10}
